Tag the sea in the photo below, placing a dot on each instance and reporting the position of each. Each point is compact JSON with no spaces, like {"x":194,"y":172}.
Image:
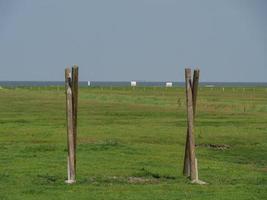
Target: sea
{"x":128,"y":83}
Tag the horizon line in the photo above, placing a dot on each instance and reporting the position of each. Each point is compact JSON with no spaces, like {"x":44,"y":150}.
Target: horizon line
{"x":133,"y":80}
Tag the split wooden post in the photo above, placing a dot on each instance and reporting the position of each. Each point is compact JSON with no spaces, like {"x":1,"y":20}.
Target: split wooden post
{"x":190,"y":167}
{"x":71,"y":87}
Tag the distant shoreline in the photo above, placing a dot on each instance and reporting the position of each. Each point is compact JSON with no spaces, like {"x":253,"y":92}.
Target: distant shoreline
{"x":127,"y":83}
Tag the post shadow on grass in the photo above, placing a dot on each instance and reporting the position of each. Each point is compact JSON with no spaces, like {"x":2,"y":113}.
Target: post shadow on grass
{"x":190,"y":168}
{"x":71,"y":87}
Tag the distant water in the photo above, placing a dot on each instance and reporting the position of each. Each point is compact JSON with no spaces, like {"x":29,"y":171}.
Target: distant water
{"x":127,"y":83}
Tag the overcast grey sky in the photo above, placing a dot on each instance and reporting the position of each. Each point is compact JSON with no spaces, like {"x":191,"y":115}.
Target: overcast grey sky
{"x":149,"y":40}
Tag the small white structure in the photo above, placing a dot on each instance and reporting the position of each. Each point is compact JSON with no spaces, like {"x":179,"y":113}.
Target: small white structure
{"x":168,"y":84}
{"x":133,"y":83}
{"x":89,"y":83}
{"x":209,"y":86}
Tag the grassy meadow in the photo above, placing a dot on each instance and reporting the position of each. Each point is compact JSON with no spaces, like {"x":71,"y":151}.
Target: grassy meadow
{"x":131,"y":144}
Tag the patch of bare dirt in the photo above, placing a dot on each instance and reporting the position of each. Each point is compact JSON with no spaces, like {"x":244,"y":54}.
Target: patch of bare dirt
{"x":120,"y":180}
{"x":141,"y":180}
{"x":86,"y":140}
{"x":263,"y":169}
{"x":215,"y":146}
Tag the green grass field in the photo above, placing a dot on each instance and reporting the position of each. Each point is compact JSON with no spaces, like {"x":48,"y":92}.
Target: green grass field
{"x":131,"y":144}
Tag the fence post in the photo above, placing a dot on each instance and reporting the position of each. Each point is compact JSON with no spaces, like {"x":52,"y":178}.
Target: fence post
{"x":190,"y":161}
{"x":190,"y":123}
{"x":195,"y":91}
{"x":186,"y":169}
{"x":74,"y":87}
{"x":194,"y":87}
{"x":71,"y":87}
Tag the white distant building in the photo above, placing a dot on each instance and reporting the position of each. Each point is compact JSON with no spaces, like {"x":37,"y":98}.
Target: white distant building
{"x":133,"y":83}
{"x":89,"y":83}
{"x":168,"y":84}
{"x":209,"y":86}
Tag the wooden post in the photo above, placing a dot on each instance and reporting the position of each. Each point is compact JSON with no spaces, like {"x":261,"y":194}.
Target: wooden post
{"x":71,"y":115}
{"x":74,"y":87}
{"x":194,"y":93}
{"x":195,"y":90}
{"x":190,"y":126}
{"x":186,"y":170}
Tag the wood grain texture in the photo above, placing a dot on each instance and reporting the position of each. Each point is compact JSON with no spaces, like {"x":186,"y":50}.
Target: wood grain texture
{"x":70,"y":135}
{"x":190,"y":123}
{"x":75,"y":87}
{"x":195,"y":90}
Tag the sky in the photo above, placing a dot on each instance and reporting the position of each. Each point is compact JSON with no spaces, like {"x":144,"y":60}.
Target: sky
{"x":123,"y":40}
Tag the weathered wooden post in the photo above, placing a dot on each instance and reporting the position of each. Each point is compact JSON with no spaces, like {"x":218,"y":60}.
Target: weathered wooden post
{"x":194,"y":87}
{"x":74,"y":87}
{"x":190,"y":125}
{"x":71,"y":87}
{"x":190,"y":162}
